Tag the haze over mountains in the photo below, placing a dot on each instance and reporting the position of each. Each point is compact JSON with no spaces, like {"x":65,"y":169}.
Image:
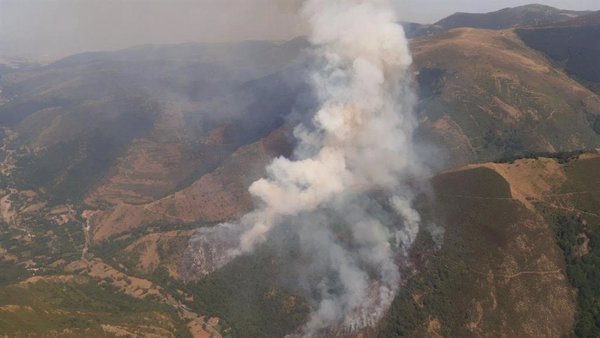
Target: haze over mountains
{"x":527,"y":15}
{"x":111,"y":160}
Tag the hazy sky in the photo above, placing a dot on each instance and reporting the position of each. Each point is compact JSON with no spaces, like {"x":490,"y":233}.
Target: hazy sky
{"x":61,"y":27}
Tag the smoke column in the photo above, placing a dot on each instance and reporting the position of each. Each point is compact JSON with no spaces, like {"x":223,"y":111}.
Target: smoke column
{"x":350,"y":169}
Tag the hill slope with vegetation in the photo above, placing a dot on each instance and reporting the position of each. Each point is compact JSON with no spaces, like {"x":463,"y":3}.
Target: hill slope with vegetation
{"x":521,"y":247}
{"x":486,"y":95}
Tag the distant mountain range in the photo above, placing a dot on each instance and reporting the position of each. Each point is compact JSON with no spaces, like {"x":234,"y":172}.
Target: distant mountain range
{"x":528,"y":15}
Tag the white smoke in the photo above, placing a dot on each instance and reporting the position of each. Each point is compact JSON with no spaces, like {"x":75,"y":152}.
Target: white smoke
{"x":360,"y":141}
{"x":351,"y":167}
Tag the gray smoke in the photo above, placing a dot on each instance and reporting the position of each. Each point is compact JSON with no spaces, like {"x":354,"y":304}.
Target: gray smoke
{"x":344,"y":195}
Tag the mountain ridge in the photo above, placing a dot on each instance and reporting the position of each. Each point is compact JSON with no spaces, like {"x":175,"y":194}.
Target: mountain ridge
{"x":510,"y":17}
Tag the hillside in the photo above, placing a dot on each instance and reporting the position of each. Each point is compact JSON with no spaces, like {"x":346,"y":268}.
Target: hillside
{"x":98,"y":131}
{"x":513,"y":102}
{"x":486,"y":95}
{"x":164,"y":103}
{"x":539,"y":252}
{"x":573,"y":44}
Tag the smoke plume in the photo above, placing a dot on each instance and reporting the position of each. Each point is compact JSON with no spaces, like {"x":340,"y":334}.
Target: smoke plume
{"x":345,"y":195}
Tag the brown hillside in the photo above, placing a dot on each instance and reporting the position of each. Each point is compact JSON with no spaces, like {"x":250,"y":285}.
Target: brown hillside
{"x":218,"y":196}
{"x":487,"y":95}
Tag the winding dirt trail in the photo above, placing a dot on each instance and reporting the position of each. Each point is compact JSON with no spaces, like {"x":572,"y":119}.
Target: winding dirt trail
{"x":520,"y":273}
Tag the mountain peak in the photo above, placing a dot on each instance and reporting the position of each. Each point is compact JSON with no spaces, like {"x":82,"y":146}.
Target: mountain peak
{"x":526,"y":15}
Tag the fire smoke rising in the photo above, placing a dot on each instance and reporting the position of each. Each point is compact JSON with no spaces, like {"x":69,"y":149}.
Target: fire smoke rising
{"x":350,"y":170}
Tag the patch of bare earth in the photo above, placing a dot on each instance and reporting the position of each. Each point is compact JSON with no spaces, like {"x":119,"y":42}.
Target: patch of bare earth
{"x":590,"y":156}
{"x":584,"y":248}
{"x":6,"y":209}
{"x":6,"y":257}
{"x":147,"y":251}
{"x":202,"y":328}
{"x":531,"y":179}
{"x":53,"y":279}
{"x":434,"y":326}
{"x":15,"y":308}
{"x":453,"y":132}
